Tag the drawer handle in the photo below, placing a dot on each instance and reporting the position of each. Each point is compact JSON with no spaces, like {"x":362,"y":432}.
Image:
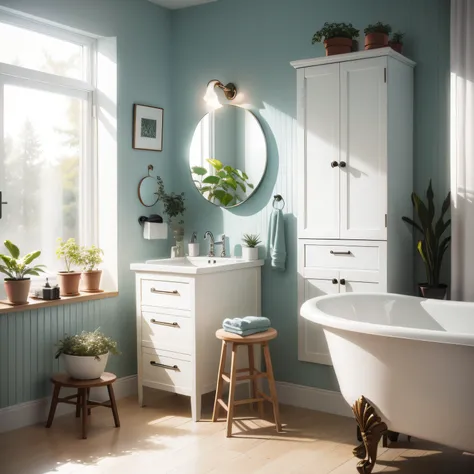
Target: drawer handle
{"x":343,"y":281}
{"x":334,"y":281}
{"x":164,"y":292}
{"x":341,"y":253}
{"x":163,"y":323}
{"x":164,"y":366}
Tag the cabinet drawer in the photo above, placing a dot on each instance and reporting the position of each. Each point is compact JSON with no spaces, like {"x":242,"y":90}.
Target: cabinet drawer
{"x":171,"y":372}
{"x":166,"y":294}
{"x":336,"y":255}
{"x":167,"y":332}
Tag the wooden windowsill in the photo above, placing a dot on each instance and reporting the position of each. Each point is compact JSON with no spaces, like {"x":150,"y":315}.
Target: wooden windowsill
{"x":37,"y":304}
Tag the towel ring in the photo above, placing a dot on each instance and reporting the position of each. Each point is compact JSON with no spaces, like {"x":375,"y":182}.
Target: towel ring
{"x":278,"y":198}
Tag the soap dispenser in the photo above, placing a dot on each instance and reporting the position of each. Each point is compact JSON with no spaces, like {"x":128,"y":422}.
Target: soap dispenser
{"x":193,"y":246}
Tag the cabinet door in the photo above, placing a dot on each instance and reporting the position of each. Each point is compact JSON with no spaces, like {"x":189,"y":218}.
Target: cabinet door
{"x":363,"y":179}
{"x":362,"y":281}
{"x":318,"y":144}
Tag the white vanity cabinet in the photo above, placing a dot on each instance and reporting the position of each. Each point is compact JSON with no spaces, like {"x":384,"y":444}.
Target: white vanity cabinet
{"x":354,"y":179}
{"x":180,"y":305}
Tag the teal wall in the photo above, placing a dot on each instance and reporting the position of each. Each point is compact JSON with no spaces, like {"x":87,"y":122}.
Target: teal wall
{"x":251,"y":43}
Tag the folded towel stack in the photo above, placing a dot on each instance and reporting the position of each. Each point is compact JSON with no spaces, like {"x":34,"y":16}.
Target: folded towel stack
{"x":246,"y":326}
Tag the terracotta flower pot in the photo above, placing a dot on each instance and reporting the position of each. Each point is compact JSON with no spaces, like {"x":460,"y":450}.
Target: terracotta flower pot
{"x":69,"y":283}
{"x":338,"y":46}
{"x":396,"y":47}
{"x":17,"y":290}
{"x":439,"y":292}
{"x":91,"y":280}
{"x":376,"y":40}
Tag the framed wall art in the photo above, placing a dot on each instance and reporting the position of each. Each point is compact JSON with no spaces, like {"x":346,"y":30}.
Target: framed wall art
{"x":147,"y":127}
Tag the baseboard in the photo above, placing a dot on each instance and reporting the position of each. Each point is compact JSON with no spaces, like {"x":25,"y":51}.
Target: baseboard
{"x":36,"y":411}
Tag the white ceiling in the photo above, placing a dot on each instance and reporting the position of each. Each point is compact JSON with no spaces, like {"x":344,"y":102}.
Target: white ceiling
{"x":175,"y":4}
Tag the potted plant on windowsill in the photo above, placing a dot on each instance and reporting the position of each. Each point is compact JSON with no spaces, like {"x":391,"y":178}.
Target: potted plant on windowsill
{"x":16,"y":268}
{"x":396,"y":42}
{"x":250,"y":249}
{"x":69,"y":279}
{"x":337,"y":37}
{"x":432,"y":246}
{"x":85,"y":355}
{"x":90,"y":258}
{"x":376,"y":36}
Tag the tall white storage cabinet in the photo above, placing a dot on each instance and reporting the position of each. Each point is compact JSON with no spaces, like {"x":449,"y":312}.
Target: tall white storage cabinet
{"x":354,"y":179}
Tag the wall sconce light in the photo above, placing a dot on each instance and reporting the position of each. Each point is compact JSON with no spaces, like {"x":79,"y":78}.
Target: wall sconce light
{"x":230,"y":91}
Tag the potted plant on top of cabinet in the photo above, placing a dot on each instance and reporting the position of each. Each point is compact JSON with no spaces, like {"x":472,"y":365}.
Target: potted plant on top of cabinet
{"x":376,"y":36}
{"x":69,"y":279}
{"x":90,"y":258}
{"x":337,"y":37}
{"x":396,"y":42}
{"x":432,"y":246}
{"x":250,"y":249}
{"x":16,"y":268}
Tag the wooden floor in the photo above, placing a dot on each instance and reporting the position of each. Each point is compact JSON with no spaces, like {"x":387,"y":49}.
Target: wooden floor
{"x":163,"y":439}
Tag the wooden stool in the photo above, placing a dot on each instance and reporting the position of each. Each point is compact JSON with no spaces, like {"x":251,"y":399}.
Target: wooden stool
{"x":81,"y":399}
{"x":253,"y":375}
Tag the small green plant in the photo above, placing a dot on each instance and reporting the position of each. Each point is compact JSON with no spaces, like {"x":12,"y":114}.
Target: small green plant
{"x":16,"y":267}
{"x":70,"y":252}
{"x":378,"y":27}
{"x":90,"y":258}
{"x":431,"y":247}
{"x":91,"y":344}
{"x":173,"y":203}
{"x":397,"y":37}
{"x":335,"y":30}
{"x":251,"y":240}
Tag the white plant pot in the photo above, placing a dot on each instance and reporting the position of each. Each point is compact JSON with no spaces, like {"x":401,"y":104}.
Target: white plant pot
{"x":250,"y":253}
{"x":85,"y":367}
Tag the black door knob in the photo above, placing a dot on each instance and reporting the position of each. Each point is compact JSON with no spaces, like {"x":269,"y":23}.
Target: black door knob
{"x":342,"y":164}
{"x":334,"y":164}
{"x":334,"y":281}
{"x":343,"y":281}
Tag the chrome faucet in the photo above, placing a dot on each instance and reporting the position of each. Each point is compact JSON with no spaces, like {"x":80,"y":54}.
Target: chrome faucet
{"x":213,"y":242}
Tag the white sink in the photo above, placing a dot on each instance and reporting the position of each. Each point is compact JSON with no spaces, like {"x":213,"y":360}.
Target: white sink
{"x":193,"y":265}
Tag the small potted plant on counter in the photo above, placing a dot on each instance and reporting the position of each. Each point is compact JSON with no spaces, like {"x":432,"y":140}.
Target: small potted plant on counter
{"x":337,"y":37}
{"x":16,"y":268}
{"x":376,"y":36}
{"x":85,"y":355}
{"x":69,"y":279}
{"x":90,"y":258}
{"x":396,"y":43}
{"x":432,"y":246}
{"x":250,"y":249}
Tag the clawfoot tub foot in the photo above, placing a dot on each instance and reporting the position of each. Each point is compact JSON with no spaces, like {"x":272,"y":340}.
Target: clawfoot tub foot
{"x":372,"y":429}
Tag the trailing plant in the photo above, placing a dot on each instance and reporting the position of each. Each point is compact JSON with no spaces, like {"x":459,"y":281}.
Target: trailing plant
{"x":70,"y":252}
{"x":87,"y":344}
{"x":251,"y":240}
{"x":335,"y":30}
{"x":432,"y":245}
{"x":224,"y":184}
{"x":16,"y":267}
{"x":378,"y":27}
{"x":173,"y":203}
{"x":397,"y":37}
{"x":90,"y":258}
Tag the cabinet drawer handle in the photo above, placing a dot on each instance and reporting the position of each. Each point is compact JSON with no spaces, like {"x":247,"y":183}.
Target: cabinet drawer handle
{"x":334,"y":281}
{"x":164,"y":366}
{"x":343,"y":281}
{"x":163,"y":323}
{"x":164,"y":292}
{"x":342,"y":164}
{"x":334,"y":164}
{"x":341,"y":253}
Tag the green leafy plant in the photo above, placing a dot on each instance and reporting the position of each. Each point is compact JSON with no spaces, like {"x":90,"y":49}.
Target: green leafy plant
{"x":251,"y":240}
{"x":378,"y":27}
{"x":70,"y":252}
{"x":92,"y":344}
{"x":16,"y":267}
{"x":173,"y":203}
{"x":335,"y":30}
{"x":397,"y":37}
{"x":90,"y":258}
{"x":432,"y":245}
{"x":224,"y":184}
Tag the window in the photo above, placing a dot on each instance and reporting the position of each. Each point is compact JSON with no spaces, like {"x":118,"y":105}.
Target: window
{"x":47,"y":164}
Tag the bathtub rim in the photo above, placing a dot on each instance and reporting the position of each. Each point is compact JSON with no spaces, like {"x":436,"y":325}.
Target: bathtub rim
{"x":310,"y":311}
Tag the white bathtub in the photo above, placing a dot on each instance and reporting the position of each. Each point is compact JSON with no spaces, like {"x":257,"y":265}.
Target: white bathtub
{"x":412,"y":358}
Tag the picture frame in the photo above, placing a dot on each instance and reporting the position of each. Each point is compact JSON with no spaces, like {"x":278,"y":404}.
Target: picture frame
{"x":147,"y":127}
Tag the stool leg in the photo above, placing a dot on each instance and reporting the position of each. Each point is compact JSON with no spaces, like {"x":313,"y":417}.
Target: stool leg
{"x":54,"y":404}
{"x":84,"y":412}
{"x":220,"y":382}
{"x":78,"y":403}
{"x":113,"y":405}
{"x":89,"y":411}
{"x":271,"y":384}
{"x":230,"y":402}
{"x":254,"y":386}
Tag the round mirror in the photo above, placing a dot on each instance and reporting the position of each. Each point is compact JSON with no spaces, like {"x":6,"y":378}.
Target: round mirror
{"x":147,"y":189}
{"x":228,"y":156}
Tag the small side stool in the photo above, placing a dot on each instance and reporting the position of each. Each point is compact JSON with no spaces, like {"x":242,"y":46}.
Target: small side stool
{"x":81,"y":399}
{"x":253,"y":374}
